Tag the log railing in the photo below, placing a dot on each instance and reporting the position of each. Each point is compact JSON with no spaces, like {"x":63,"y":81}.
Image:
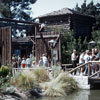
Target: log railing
{"x":89,"y":68}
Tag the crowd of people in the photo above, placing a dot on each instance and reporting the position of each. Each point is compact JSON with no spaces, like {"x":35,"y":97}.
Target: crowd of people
{"x":84,"y":57}
{"x":28,"y":62}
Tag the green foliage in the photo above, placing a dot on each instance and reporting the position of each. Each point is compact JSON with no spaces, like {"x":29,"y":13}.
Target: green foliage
{"x":90,"y":9}
{"x":20,"y":9}
{"x":96,"y":38}
{"x":61,"y":86}
{"x":69,"y":43}
{"x":27,"y":79}
{"x":41,"y":74}
{"x":4,"y":77}
{"x":4,"y":83}
{"x":23,"y":79}
{"x":4,"y":10}
{"x":4,"y":71}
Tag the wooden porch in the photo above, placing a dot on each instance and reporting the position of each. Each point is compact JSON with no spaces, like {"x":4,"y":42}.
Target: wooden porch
{"x":93,"y":78}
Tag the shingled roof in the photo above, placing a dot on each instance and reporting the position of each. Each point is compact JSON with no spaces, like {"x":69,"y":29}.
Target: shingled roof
{"x":63,"y":11}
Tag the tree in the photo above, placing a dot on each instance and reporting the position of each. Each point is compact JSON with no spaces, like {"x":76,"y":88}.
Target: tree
{"x":90,"y":9}
{"x":20,"y":9}
{"x":68,"y":43}
{"x":4,"y":10}
{"x":77,"y":8}
{"x":17,"y":9}
{"x":84,"y":7}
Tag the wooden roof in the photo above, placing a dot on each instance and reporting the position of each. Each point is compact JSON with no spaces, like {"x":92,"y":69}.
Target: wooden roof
{"x":63,"y":11}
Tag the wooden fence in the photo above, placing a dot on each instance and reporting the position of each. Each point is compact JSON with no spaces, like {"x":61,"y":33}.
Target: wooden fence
{"x":5,"y":45}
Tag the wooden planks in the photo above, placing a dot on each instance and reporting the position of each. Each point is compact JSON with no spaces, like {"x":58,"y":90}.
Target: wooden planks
{"x":42,"y":45}
{"x":5,"y":44}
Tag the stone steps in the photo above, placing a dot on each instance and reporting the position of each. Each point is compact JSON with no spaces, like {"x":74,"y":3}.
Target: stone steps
{"x":82,"y":81}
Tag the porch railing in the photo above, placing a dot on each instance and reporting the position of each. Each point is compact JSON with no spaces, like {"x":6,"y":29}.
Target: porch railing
{"x":89,"y":68}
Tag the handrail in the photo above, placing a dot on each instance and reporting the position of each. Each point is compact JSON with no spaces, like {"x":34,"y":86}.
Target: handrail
{"x":83,"y":65}
{"x":77,"y":67}
{"x":94,"y":74}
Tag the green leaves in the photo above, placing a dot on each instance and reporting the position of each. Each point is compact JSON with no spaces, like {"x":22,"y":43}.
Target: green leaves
{"x":90,"y":9}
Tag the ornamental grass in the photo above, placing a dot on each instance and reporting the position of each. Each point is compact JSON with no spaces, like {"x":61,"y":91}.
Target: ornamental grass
{"x":60,"y":86}
{"x":28,"y":78}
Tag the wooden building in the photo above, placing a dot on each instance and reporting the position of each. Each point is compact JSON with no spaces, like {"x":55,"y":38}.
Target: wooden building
{"x":62,"y":19}
{"x":42,"y":45}
{"x":70,"y":20}
{"x":21,"y":46}
{"x":8,"y":46}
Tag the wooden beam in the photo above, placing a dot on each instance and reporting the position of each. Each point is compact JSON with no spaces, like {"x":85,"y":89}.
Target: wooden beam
{"x":47,"y":36}
{"x":17,"y":21}
{"x":16,"y":26}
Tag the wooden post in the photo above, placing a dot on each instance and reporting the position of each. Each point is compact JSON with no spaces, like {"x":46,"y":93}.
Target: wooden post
{"x":89,"y":69}
{"x":60,"y":49}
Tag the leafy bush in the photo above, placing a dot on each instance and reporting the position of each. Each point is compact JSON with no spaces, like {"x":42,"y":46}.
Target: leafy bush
{"x":4,"y":71}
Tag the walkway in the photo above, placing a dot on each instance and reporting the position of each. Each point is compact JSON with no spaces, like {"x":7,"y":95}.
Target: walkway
{"x":86,"y":82}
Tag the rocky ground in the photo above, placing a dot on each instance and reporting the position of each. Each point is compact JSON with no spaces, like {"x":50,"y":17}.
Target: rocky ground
{"x":12,"y":93}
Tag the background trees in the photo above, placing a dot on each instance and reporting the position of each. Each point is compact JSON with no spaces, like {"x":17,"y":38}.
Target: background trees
{"x":16,"y":9}
{"x":90,"y":9}
{"x":93,"y":10}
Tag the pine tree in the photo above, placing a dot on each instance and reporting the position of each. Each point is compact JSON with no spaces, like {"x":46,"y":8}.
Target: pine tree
{"x":84,"y":8}
{"x":20,"y":9}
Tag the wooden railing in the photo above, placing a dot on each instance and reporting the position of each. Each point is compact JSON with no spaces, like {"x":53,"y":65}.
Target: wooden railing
{"x":89,"y":68}
{"x":15,"y":70}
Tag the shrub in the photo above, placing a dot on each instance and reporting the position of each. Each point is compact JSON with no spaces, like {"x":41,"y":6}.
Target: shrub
{"x":28,"y":79}
{"x":41,"y":74}
{"x":23,"y":79}
{"x":4,"y":71}
{"x":60,"y":86}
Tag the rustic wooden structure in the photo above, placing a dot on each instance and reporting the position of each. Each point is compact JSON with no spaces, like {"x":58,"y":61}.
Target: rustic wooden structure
{"x":65,"y":19}
{"x":5,"y":45}
{"x":42,"y":45}
{"x":94,"y":78}
{"x":15,"y":44}
{"x":70,"y":20}
{"x":21,"y":46}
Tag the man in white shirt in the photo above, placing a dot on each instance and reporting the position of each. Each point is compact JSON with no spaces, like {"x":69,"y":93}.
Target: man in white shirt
{"x":74,"y":59}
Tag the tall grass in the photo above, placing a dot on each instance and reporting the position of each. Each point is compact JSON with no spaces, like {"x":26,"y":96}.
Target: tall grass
{"x":41,"y":74}
{"x":60,"y":86}
{"x":27,"y":79}
{"x":24,"y":79}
